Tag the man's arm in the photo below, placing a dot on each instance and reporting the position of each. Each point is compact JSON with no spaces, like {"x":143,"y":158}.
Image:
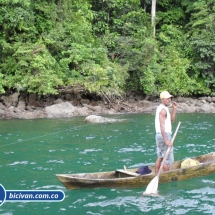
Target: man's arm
{"x":173,"y":115}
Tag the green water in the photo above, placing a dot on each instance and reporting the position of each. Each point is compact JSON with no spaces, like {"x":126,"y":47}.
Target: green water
{"x":33,"y":151}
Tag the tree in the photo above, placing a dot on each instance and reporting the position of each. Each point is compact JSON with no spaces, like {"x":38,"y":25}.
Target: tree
{"x":47,"y":45}
{"x":201,"y":32}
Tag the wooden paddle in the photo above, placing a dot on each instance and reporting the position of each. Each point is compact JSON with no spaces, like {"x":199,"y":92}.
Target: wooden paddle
{"x":153,"y":185}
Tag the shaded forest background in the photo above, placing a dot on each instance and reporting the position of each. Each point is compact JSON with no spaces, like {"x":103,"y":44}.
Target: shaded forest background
{"x":107,"y":47}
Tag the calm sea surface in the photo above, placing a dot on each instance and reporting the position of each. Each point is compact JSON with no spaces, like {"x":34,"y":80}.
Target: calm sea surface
{"x":33,"y":151}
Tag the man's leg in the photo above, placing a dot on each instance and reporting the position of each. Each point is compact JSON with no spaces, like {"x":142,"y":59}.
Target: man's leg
{"x":165,"y":167}
{"x":158,"y":164}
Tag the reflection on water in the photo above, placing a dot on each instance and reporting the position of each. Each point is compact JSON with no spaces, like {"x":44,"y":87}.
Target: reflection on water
{"x":33,"y":151}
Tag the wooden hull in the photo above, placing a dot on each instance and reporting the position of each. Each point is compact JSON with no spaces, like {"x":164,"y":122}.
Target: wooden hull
{"x":117,"y":179}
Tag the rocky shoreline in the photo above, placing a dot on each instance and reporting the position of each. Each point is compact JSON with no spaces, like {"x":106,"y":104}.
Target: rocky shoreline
{"x":30,"y":106}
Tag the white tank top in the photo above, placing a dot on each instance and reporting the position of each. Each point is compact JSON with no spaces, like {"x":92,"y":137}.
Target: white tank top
{"x":168,"y":124}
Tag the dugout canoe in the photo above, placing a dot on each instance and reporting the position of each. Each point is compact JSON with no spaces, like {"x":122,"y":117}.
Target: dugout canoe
{"x":130,"y":179}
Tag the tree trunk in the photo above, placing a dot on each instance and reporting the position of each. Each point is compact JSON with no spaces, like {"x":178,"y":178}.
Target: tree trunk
{"x":153,"y":12}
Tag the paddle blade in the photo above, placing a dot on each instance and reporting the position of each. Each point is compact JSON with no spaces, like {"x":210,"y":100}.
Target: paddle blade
{"x":152,"y":186}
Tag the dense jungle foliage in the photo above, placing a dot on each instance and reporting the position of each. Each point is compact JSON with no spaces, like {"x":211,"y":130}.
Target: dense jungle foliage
{"x":107,"y":47}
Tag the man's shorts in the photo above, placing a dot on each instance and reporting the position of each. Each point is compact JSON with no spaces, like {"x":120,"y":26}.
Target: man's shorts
{"x":162,"y":148}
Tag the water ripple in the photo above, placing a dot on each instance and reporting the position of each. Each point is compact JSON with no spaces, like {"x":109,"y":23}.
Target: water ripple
{"x":18,"y":162}
{"x":124,"y":150}
{"x":90,"y":150}
{"x":55,"y":161}
{"x":7,"y":153}
{"x":90,"y":138}
{"x":203,"y":191}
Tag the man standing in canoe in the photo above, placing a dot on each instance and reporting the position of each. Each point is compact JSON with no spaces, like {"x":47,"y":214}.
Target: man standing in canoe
{"x":163,"y":127}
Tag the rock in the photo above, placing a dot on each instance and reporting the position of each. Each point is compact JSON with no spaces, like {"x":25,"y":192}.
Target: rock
{"x":93,"y":103}
{"x":189,"y":109}
{"x":207,"y":108}
{"x":85,"y":101}
{"x":11,"y":109}
{"x":21,"y":105}
{"x":75,"y":102}
{"x":181,"y":99}
{"x":213,"y":99}
{"x":91,"y":109}
{"x":190,"y":101}
{"x":2,"y":106}
{"x":100,"y":119}
{"x":198,"y":103}
{"x":11,"y":100}
{"x":109,"y":111}
{"x":30,"y":106}
{"x":2,"y":113}
{"x":116,"y":107}
{"x":58,"y":101}
{"x":97,"y":109}
{"x":209,"y":99}
{"x":202,"y":98}
{"x":82,"y":111}
{"x":32,"y":115}
{"x":131,"y":100}
{"x":61,"y":110}
{"x":144,"y":103}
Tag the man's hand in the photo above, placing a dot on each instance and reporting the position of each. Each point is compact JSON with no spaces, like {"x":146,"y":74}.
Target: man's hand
{"x":174,"y":105}
{"x":168,"y":143}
